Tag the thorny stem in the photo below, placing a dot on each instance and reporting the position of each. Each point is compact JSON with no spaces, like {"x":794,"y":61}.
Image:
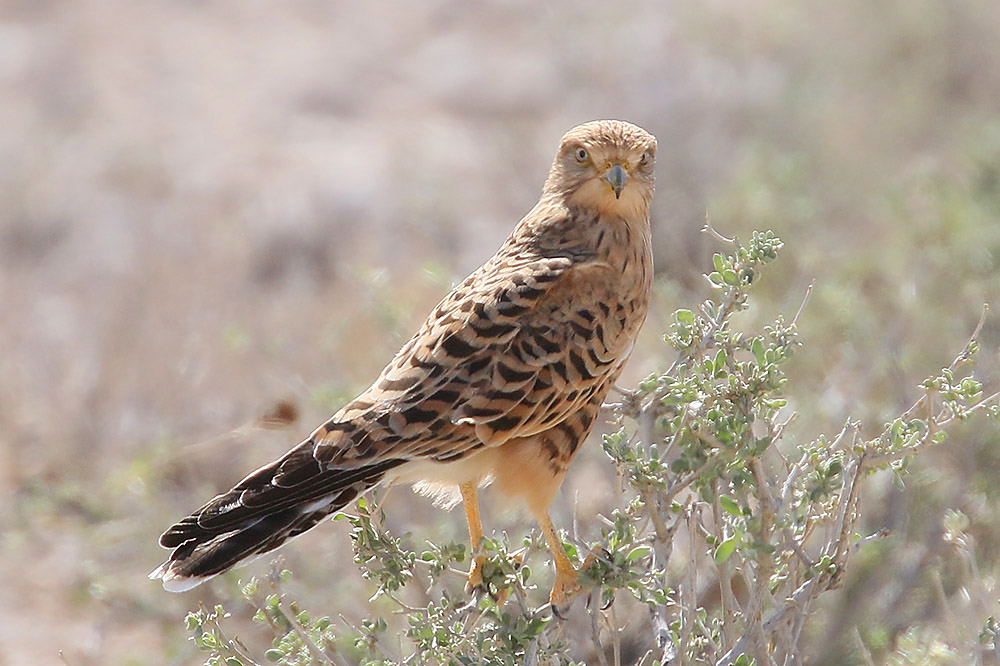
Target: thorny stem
{"x":595,"y":631}
{"x":805,"y":301}
{"x":710,"y":230}
{"x":848,"y":503}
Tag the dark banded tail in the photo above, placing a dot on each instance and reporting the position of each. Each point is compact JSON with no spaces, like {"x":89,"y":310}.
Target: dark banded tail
{"x":270,"y":506}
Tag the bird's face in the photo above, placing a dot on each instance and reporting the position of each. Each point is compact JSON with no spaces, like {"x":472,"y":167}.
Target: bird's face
{"x":607,"y":166}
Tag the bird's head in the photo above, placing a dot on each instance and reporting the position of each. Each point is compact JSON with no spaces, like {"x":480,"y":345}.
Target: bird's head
{"x":605,"y":165}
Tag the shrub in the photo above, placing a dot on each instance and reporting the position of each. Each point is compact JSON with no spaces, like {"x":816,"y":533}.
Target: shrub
{"x":725,"y":535}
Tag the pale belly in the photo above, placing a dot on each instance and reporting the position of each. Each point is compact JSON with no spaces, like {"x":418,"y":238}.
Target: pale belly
{"x":440,"y":481}
{"x":519,"y":469}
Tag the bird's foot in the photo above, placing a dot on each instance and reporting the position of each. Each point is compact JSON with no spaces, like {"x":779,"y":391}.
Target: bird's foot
{"x":475,"y":582}
{"x":567,"y":588}
{"x":494,"y":582}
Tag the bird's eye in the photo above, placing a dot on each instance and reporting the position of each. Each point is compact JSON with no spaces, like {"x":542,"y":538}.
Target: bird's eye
{"x":581,"y":155}
{"x":645,"y":159}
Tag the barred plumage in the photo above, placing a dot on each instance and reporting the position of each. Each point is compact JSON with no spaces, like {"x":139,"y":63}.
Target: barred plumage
{"x":502,"y":382}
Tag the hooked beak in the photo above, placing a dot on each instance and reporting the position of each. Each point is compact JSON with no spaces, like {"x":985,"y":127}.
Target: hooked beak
{"x":615,"y":178}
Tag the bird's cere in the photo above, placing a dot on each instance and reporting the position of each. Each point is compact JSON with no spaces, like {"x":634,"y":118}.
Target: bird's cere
{"x":616,"y":177}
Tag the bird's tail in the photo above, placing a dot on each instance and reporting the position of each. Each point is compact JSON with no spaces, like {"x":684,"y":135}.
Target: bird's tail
{"x":267,"y":508}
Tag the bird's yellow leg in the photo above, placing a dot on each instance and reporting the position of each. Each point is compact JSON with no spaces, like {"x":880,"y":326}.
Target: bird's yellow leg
{"x":470,"y":501}
{"x":565,"y":587}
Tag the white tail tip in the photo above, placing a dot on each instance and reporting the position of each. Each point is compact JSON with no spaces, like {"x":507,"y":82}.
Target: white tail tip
{"x":174,"y":583}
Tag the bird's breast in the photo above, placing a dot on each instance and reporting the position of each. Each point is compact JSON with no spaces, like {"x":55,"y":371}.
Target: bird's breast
{"x":613,"y":287}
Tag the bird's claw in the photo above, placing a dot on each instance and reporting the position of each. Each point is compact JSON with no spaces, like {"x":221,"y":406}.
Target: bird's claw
{"x":567,"y":588}
{"x":477,"y":586}
{"x":608,"y":603}
{"x":564,"y":591}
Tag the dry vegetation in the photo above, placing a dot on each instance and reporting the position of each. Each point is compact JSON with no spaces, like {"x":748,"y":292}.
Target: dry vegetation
{"x":209,"y":207}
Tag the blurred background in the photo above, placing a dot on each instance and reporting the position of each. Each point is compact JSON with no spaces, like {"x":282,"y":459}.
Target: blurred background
{"x":209,"y":207}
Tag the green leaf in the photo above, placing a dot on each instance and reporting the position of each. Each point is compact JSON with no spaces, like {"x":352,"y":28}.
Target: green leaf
{"x":684,"y":316}
{"x":730,"y":506}
{"x":720,"y":360}
{"x":727,"y":548}
{"x":719,"y":261}
{"x":273,"y":654}
{"x":757,"y":347}
{"x":637,"y":553}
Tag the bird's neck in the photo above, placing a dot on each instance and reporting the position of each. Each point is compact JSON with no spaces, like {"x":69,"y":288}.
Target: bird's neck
{"x":557,"y":227}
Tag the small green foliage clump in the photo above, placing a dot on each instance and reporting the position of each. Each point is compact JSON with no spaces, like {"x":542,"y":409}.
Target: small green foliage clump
{"x":381,"y":556}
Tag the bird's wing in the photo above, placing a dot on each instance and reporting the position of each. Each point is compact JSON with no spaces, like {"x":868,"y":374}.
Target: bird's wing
{"x":483,"y":368}
{"x":508,"y":353}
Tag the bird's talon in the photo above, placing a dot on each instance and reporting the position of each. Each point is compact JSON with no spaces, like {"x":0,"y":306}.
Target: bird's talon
{"x":564,"y":591}
{"x":475,"y":582}
{"x":475,"y":585}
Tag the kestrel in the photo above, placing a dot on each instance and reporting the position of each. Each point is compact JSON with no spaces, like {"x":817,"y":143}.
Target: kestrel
{"x":500,"y":385}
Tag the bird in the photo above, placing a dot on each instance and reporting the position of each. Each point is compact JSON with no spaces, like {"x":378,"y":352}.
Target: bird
{"x":501,"y":384}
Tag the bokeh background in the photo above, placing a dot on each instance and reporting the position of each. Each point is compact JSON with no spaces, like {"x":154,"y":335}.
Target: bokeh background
{"x":208,"y":207}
